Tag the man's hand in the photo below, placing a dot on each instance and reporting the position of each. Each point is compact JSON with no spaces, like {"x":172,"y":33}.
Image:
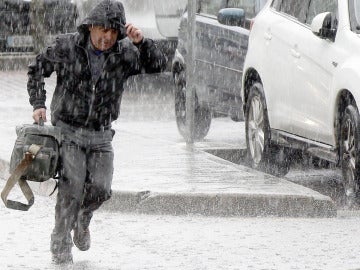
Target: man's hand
{"x":134,"y":34}
{"x":39,"y":113}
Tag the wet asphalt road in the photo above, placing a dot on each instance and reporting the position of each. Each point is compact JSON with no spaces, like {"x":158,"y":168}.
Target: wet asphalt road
{"x":152,"y":98}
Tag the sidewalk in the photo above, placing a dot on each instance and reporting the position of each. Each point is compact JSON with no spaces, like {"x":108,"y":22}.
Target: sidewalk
{"x":14,"y":61}
{"x":155,"y":172}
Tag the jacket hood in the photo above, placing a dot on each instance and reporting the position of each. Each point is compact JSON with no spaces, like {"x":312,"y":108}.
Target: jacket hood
{"x":108,"y":13}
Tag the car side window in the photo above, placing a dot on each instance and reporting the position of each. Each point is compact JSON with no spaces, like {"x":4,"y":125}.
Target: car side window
{"x":319,"y":6}
{"x":276,"y":4}
{"x":211,"y":7}
{"x":294,"y":8}
{"x":247,"y":5}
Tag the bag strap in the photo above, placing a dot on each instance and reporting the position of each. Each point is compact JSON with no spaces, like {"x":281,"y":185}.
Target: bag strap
{"x":24,"y":186}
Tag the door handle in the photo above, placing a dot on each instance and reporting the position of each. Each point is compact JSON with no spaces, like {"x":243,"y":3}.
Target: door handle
{"x":295,"y":53}
{"x":267,"y":36}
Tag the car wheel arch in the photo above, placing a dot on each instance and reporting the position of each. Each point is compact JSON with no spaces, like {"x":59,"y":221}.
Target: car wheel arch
{"x":250,"y":78}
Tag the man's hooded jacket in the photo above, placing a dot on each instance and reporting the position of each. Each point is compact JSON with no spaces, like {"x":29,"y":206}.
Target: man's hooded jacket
{"x":77,"y":99}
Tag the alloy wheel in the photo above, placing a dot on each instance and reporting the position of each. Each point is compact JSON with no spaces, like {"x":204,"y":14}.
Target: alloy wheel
{"x":256,"y":132}
{"x":349,"y":159}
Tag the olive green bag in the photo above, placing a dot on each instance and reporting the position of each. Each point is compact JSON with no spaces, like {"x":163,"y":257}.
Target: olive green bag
{"x":35,"y":157}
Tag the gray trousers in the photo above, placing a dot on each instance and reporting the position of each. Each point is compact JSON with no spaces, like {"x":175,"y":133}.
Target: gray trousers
{"x":85,"y":181}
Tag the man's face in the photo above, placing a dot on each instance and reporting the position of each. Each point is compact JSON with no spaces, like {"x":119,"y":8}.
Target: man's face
{"x":103,"y":38}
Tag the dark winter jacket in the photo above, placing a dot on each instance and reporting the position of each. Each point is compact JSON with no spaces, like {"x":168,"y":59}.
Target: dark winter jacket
{"x":77,"y":100}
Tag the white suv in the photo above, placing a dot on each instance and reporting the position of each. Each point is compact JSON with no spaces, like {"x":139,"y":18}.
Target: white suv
{"x":301,"y":86}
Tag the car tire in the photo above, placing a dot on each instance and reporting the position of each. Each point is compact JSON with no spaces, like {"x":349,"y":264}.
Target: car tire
{"x":202,"y":114}
{"x":350,"y":154}
{"x":262,"y":153}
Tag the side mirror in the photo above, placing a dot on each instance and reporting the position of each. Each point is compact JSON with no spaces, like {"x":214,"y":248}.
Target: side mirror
{"x":322,"y":26}
{"x":231,"y":16}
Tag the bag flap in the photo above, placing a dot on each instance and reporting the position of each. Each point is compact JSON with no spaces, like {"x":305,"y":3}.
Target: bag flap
{"x":34,"y":129}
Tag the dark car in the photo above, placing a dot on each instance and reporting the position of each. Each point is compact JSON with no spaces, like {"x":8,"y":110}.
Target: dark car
{"x":17,"y":22}
{"x":219,"y":58}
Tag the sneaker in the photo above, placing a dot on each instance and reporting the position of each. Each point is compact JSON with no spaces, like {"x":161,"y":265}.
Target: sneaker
{"x":63,"y":258}
{"x":81,"y":238}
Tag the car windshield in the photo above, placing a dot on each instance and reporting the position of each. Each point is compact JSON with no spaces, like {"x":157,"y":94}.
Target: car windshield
{"x":354,"y":9}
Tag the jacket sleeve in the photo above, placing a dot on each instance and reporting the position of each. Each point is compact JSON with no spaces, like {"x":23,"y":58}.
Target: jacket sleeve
{"x":152,"y":60}
{"x":38,"y":70}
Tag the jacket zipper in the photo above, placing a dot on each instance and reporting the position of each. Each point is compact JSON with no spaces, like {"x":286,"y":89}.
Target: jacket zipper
{"x":93,"y":88}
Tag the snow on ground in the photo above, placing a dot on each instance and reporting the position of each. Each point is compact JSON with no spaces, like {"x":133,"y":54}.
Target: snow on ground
{"x":130,"y":241}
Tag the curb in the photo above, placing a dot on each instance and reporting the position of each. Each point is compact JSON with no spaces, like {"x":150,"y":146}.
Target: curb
{"x":245,"y":205}
{"x":15,"y":61}
{"x":206,"y":204}
{"x":4,"y":169}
